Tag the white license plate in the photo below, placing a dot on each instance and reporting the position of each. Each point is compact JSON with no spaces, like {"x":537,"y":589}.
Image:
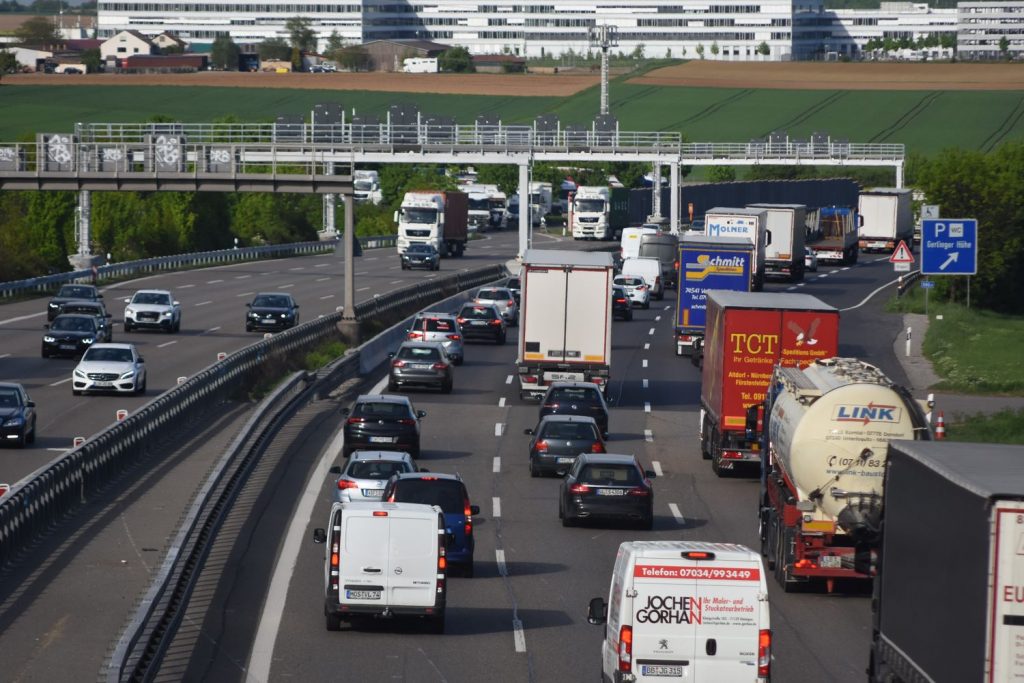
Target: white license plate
{"x":372,"y":493}
{"x":420,"y":366}
{"x":67,"y":347}
{"x":830,"y":562}
{"x":103,"y":384}
{"x":362,"y":595}
{"x":382,"y":439}
{"x":477,"y":322}
{"x":661,"y":669}
{"x":564,"y":460}
{"x":611,"y":492}
{"x":564,"y":376}
{"x":269,"y":321}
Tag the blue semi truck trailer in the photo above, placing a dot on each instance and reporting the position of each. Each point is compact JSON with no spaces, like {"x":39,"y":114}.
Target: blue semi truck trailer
{"x":707,"y":263}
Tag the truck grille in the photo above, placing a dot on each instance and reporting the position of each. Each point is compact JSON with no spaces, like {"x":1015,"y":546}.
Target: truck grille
{"x":417,"y":233}
{"x":102,"y":376}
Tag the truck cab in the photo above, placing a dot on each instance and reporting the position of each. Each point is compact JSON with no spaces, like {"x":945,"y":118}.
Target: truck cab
{"x":590,"y":213}
{"x":420,"y":219}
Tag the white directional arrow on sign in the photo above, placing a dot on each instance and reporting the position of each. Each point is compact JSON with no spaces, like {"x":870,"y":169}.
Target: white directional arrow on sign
{"x":952,"y":258}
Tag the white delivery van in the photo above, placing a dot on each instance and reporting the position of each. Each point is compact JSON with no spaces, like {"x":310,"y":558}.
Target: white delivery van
{"x":685,"y":611}
{"x":650,"y":270}
{"x":384,"y":560}
{"x":630,"y":245}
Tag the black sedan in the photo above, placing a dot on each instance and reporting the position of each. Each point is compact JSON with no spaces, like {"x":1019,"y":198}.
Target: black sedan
{"x":621,"y":306}
{"x":482,"y":321}
{"x":71,"y":335}
{"x":514,"y":285}
{"x":607,"y":487}
{"x":421,"y":256}
{"x":420,"y":364}
{"x":17,"y":415}
{"x":576,"y":398}
{"x":378,"y":422}
{"x":272,"y":311}
{"x":97,"y":310}
{"x":71,"y":293}
{"x":558,"y":439}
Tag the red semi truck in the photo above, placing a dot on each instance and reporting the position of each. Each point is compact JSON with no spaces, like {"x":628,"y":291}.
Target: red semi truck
{"x":746,"y":335}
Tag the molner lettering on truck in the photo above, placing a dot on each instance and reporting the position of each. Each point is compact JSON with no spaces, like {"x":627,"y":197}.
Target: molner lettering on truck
{"x":707,"y":263}
{"x":687,"y":611}
{"x":746,"y":222}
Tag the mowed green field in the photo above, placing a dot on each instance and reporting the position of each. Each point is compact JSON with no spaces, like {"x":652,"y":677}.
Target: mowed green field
{"x":925,"y":121}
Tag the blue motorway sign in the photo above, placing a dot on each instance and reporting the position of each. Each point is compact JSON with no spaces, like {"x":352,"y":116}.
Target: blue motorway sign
{"x":927,"y":284}
{"x":949,"y":246}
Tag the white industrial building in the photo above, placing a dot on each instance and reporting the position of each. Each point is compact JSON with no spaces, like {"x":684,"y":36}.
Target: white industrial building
{"x":710,"y":29}
{"x":982,"y":26}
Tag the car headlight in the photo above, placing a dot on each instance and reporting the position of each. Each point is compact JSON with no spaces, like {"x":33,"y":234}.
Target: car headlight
{"x":79,"y":373}
{"x":53,"y":305}
{"x":88,"y":340}
{"x":15,"y":421}
{"x":285,"y":315}
{"x":129,"y":312}
{"x":128,"y":375}
{"x":165,"y":314}
{"x":254,"y":314}
{"x":49,"y":340}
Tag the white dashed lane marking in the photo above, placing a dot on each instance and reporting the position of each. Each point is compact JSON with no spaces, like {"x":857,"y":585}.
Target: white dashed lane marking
{"x":322,"y":279}
{"x":496,"y":505}
{"x":657,"y":468}
{"x":646,"y":383}
{"x":242,"y":277}
{"x":645,"y":362}
{"x":519,"y":634}
{"x":499,"y":427}
{"x":657,"y":318}
{"x":329,"y":296}
{"x":322,"y":265}
{"x":647,"y":406}
{"x":213,"y":282}
{"x":362,"y":289}
{"x":650,"y":331}
{"x":286,"y":286}
{"x":501,"y":402}
{"x":160,"y":346}
{"x":677,"y":514}
{"x":245,"y":294}
{"x":204,"y":303}
{"x":508,"y":380}
{"x":63,"y":381}
{"x":185,"y":286}
{"x":647,"y":346}
{"x":648,"y":435}
{"x":212,"y":329}
{"x":496,"y":467}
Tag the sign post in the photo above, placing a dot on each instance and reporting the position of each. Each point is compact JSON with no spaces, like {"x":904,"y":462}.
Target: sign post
{"x":901,"y":258}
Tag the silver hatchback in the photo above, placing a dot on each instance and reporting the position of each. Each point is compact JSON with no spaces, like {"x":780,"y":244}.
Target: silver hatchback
{"x":502,"y":299}
{"x":443,"y":328}
{"x":366,"y":474}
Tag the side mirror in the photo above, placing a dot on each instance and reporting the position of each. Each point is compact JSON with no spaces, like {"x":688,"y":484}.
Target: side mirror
{"x":249,"y":305}
{"x":108,"y":315}
{"x":650,"y":474}
{"x":396,"y":216}
{"x":391,"y":355}
{"x":424,"y":469}
{"x":335,"y":470}
{"x":597,"y":613}
{"x":177,"y":303}
{"x":474,"y":509}
{"x":528,"y":432}
{"x":99,"y":296}
{"x":46,"y":326}
{"x":449,"y":539}
{"x":297,"y":306}
{"x":345,"y":411}
{"x":141,"y":359}
{"x":30,"y":404}
{"x":421,"y":413}
{"x":319,"y":536}
{"x":127,"y":301}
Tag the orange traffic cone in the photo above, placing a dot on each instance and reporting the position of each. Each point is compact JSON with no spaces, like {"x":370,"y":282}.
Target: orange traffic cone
{"x":940,"y":427}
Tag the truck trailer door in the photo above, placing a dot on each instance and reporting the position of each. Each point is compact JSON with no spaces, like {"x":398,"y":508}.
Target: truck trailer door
{"x":586,"y":316}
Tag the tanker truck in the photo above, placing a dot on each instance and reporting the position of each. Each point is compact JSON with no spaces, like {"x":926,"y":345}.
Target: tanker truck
{"x":826,"y":432}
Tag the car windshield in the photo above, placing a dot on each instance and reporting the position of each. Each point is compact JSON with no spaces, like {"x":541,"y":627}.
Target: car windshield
{"x":419,"y":353}
{"x":420,"y":249}
{"x":573,"y":395}
{"x":610,"y":475}
{"x":108,"y":355}
{"x":75,"y":292}
{"x":618,"y":291}
{"x":9,"y":398}
{"x":76,"y":324}
{"x":376,"y":469}
{"x":569,"y":431}
{"x":479,"y":204}
{"x":271,"y":301}
{"x":444,"y":493}
{"x":363,"y":185}
{"x":434,"y":325}
{"x":154,"y":298}
{"x":629,"y":281}
{"x":478,"y":312}
{"x":494,"y":295}
{"x":381,"y":409}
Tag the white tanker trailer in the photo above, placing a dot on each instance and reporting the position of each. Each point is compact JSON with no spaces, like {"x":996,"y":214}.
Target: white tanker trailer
{"x":827,"y":428}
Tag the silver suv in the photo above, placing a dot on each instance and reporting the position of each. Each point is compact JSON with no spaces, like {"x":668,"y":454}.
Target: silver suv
{"x":443,"y":328}
{"x":502,"y":299}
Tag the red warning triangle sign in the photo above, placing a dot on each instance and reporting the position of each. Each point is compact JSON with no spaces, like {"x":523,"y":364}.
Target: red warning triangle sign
{"x":902,"y":254}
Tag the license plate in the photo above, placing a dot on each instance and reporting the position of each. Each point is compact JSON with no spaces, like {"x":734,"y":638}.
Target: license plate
{"x":477,"y":322}
{"x":420,"y":366}
{"x":372,"y":493}
{"x":564,"y":376}
{"x":103,"y":384}
{"x":661,"y":669}
{"x":67,"y":347}
{"x":382,"y":439}
{"x":362,"y":595}
{"x":830,"y":562}
{"x":269,"y":321}
{"x":564,"y":460}
{"x":611,"y":492}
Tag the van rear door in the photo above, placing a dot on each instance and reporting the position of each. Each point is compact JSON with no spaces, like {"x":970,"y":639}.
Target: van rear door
{"x":731,"y":599}
{"x":666,"y":613}
{"x":363,"y":565}
{"x":413,"y":549}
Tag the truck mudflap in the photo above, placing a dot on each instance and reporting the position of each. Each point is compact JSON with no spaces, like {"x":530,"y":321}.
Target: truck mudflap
{"x":534,"y":380}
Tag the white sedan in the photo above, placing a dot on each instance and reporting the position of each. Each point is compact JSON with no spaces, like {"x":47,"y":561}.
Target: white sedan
{"x":810,"y":260}
{"x":636,"y":289}
{"x":116,"y":368}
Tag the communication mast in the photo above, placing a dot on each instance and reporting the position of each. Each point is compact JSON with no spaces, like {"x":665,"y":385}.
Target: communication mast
{"x":604,"y":37}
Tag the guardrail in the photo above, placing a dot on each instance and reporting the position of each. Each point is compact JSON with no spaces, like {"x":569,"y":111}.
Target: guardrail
{"x":114,"y":271}
{"x":41,"y":499}
{"x":905,"y":282}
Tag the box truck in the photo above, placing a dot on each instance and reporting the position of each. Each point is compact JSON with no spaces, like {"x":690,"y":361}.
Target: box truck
{"x":707,"y":263}
{"x":436,"y":218}
{"x":664,"y":247}
{"x":834,"y":238}
{"x":599,"y":212}
{"x":826,"y":428}
{"x":749,"y":223}
{"x":886,"y":219}
{"x":784,"y":255}
{"x":949,"y":591}
{"x":540,"y":202}
{"x":565,"y":328}
{"x":366,"y":187}
{"x":746,"y":335}
{"x":685,"y":611}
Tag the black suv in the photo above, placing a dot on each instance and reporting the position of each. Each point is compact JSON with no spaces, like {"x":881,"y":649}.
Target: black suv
{"x":576,"y":398}
{"x":71,"y":335}
{"x":71,"y":293}
{"x":482,"y":321}
{"x":272,"y":311}
{"x":379,"y":422}
{"x":97,"y":310}
{"x":621,"y":306}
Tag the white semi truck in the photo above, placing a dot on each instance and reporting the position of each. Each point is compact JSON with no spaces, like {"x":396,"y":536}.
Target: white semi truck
{"x":886,"y":219}
{"x":366,"y":187}
{"x":540,"y":202}
{"x":436,"y":218}
{"x":565,"y":329}
{"x":823,"y":454}
{"x":479,"y":205}
{"x":784,"y":255}
{"x":751,"y":224}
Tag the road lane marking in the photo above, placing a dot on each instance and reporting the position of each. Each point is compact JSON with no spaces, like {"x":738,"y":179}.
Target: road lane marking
{"x":362,"y":289}
{"x":322,"y":279}
{"x":508,"y":380}
{"x":657,"y":318}
{"x":499,"y":427}
{"x":396,"y":282}
{"x":7,"y":355}
{"x":329,"y":296}
{"x":58,"y":450}
{"x":160,"y":346}
{"x":647,"y":346}
{"x":846,"y":268}
{"x":519,"y":635}
{"x":212,"y":329}
{"x":650,"y":331}
{"x":185,"y":286}
{"x":645,"y":362}
{"x":868,"y":297}
{"x":213,"y":282}
{"x":496,"y":467}
{"x":204,"y":303}
{"x":22,"y":317}
{"x":286,"y":286}
{"x":496,"y":504}
{"x":646,"y":384}
{"x":394,"y":267}
{"x":298,"y":268}
{"x":245,"y":294}
{"x":365,"y":272}
{"x":657,"y":468}
{"x":677,"y":514}
{"x":63,"y":381}
{"x":321,"y":265}
{"x":790,"y":289}
{"x":667,"y":307}
{"x":373,"y":258}
{"x":242,"y":277}
{"x":501,"y":402}
{"x":648,"y":435}
{"x":499,"y":556}
{"x":647,"y":406}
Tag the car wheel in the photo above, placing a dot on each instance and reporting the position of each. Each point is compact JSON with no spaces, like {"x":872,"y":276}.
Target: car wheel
{"x":76,"y":392}
{"x":31,"y":436}
{"x":177,"y":326}
{"x":333,"y":622}
{"x":467,"y":569}
{"x":46,"y":354}
{"x":647,"y":304}
{"x":248,"y":328}
{"x":535,"y":472}
{"x":629,"y":316}
{"x":566,"y":522}
{"x":460,"y":360}
{"x":127,"y":326}
{"x":446,"y":388}
{"x":503,"y":338}
{"x":436,"y":624}
{"x":141,"y":389}
{"x":392,"y":386}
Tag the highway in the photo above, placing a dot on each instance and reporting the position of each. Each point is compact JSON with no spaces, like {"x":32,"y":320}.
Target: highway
{"x":522,"y":617}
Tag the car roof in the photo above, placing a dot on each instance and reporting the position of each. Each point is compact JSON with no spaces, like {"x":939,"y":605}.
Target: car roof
{"x":272,"y":294}
{"x":470,"y":304}
{"x":434,"y":314}
{"x":90,"y":303}
{"x":391,"y":456}
{"x":152,"y":291}
{"x":422,"y":345}
{"x":573,"y":385}
{"x":365,"y":506}
{"x":608,"y":459}
{"x":79,"y":316}
{"x":384,"y":398}
{"x":11,"y":385}
{"x":427,"y":475}
{"x":586,"y":419}
{"x":111,"y":346}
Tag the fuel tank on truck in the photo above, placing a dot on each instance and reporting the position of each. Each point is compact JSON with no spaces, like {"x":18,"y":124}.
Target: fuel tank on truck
{"x":829,"y":427}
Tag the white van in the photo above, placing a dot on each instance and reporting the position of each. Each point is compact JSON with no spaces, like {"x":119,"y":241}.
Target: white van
{"x":384,"y":560}
{"x":630,"y":245}
{"x":685,"y":611}
{"x":650,"y":270}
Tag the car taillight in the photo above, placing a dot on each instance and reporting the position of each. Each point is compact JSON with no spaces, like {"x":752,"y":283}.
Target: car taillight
{"x":496,"y":322}
{"x":511,"y":302}
{"x":675,"y":265}
{"x":468,"y":512}
{"x":442,"y":560}
{"x":398,"y":363}
{"x":335,"y":556}
{"x":764,"y":653}
{"x":355,"y":420}
{"x":639,"y":491}
{"x":529,"y":379}
{"x":620,"y":301}
{"x":542,"y":445}
{"x":597,"y":447}
{"x":414,"y":335}
{"x":439,"y":366}
{"x":579,"y":488}
{"x":347,"y":484}
{"x":407,"y":421}
{"x":657,"y":281}
{"x":461,"y":321}
{"x":454,"y":337}
{"x":626,"y":648}
{"x":551,"y":406}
